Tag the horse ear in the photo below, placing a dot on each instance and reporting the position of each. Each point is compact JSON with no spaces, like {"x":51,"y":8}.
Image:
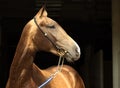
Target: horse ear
{"x":42,"y":12}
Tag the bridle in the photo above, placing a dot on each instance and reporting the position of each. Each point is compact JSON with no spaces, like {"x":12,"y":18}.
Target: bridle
{"x":61,"y":51}
{"x":46,"y":35}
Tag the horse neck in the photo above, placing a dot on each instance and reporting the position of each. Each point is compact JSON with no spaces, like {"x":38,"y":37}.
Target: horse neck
{"x":23,"y":59}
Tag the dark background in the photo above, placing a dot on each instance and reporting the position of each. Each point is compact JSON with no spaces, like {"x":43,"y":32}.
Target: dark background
{"x":88,"y":22}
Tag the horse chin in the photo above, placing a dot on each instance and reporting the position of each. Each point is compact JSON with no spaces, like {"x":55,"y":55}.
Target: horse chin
{"x":69,"y":57}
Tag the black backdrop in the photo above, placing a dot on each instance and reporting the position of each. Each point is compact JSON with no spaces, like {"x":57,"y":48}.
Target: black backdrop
{"x":87,"y":22}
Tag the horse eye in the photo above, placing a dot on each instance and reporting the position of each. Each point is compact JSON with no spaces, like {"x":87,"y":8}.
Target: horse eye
{"x":50,"y":26}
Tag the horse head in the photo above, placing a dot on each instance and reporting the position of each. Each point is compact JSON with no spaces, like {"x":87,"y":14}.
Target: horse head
{"x":54,"y":38}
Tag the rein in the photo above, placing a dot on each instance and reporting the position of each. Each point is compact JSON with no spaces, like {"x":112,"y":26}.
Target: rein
{"x":61,"y":51}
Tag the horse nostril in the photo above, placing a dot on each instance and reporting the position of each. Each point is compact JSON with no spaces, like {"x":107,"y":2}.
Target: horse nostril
{"x":77,"y":52}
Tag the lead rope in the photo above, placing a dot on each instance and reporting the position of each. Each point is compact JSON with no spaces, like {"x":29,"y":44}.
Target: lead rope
{"x":59,"y":68}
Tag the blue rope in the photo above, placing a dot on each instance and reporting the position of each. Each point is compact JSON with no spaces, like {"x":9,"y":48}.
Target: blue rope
{"x":46,"y":82}
{"x":53,"y":75}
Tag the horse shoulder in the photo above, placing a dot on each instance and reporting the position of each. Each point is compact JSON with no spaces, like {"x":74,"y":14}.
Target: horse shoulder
{"x":67,"y":78}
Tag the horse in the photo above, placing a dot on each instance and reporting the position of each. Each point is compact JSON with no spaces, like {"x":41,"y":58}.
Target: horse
{"x":44,"y":34}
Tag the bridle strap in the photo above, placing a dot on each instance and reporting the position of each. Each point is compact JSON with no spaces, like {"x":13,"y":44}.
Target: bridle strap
{"x":46,"y":35}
